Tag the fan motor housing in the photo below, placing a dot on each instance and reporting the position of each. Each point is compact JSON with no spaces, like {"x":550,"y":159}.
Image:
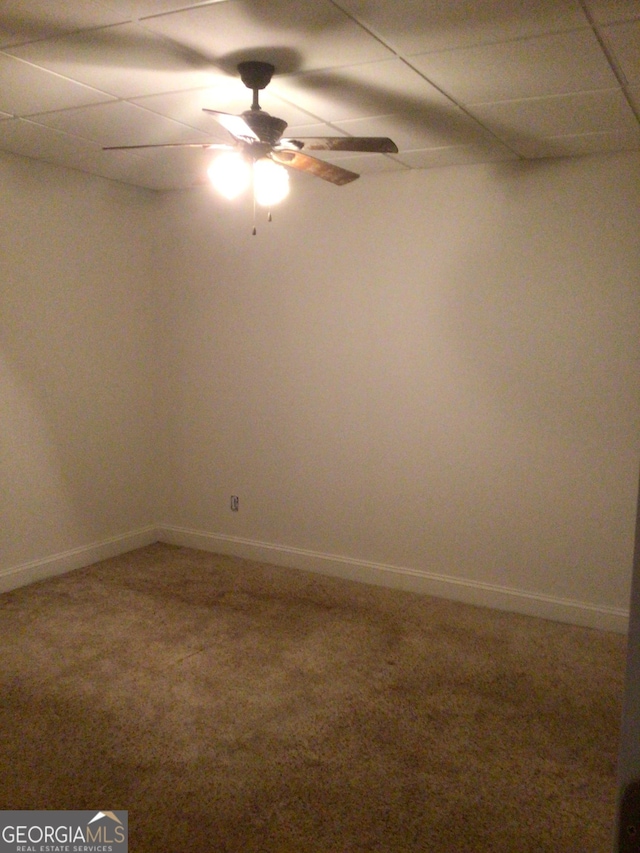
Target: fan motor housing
{"x":266,"y":127}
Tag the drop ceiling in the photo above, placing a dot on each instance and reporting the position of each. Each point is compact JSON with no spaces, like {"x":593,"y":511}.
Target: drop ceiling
{"x":450,"y":81}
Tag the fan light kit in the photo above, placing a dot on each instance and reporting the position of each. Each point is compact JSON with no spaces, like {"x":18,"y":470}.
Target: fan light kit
{"x":260,"y":155}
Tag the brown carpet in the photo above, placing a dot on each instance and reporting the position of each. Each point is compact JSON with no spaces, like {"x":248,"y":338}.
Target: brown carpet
{"x":236,"y":707}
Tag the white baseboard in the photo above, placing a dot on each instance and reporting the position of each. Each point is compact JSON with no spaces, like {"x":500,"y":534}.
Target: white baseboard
{"x":76,"y":558}
{"x":481,"y":594}
{"x":602,"y":617}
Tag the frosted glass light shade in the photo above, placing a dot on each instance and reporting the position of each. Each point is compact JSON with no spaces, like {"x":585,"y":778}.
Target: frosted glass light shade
{"x":270,"y":182}
{"x":230,"y":174}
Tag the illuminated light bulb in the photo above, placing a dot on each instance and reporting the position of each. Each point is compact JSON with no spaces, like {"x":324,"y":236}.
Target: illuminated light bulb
{"x":270,"y":182}
{"x":230,"y":174}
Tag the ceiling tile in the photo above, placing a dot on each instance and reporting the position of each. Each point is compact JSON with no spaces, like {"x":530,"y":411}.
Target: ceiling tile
{"x":32,"y":140}
{"x":420,"y":27}
{"x":167,"y":169}
{"x":299,"y":131}
{"x":134,"y":9}
{"x":528,"y":68}
{"x":409,"y":131}
{"x":120,"y":123}
{"x":23,"y":21}
{"x":454,"y":155}
{"x":624,"y":41}
{"x":187,"y":107}
{"x":536,"y":118}
{"x":609,"y":11}
{"x":586,"y":143}
{"x":371,"y":164}
{"x":375,"y":88}
{"x":124,"y":60}
{"x":291,"y":35}
{"x":25,"y":89}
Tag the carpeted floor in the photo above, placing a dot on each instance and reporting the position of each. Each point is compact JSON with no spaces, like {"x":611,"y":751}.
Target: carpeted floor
{"x":235,"y":707}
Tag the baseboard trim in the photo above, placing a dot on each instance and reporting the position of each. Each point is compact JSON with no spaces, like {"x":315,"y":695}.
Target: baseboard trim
{"x":602,"y":617}
{"x":76,"y":558}
{"x":588,"y":615}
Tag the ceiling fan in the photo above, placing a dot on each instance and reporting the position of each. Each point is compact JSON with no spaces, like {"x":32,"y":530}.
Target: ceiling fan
{"x":258,"y":135}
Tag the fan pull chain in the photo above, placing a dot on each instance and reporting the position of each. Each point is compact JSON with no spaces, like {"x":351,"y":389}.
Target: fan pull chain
{"x":255,"y":231}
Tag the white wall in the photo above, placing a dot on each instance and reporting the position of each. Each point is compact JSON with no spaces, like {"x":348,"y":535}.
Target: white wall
{"x":427,"y":375}
{"x":77,"y":361}
{"x":427,"y":379}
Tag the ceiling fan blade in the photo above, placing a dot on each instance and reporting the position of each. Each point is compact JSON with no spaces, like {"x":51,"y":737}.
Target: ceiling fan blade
{"x":305,"y":163}
{"x":236,"y":125}
{"x":217,"y":146}
{"x":371,"y":144}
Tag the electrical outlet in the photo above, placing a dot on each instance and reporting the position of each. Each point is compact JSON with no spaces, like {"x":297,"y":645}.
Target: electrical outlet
{"x":234,"y":504}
